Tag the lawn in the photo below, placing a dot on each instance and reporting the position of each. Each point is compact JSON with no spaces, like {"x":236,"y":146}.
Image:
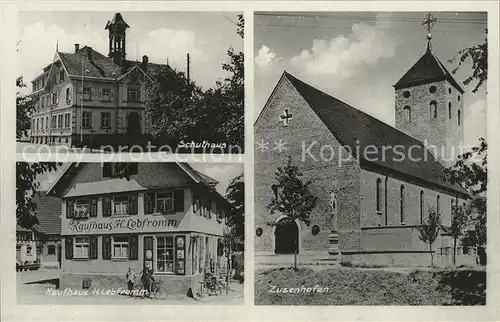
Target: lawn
{"x":353,"y":286}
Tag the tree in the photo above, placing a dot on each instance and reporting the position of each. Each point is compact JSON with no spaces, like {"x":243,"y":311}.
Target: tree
{"x":478,"y":56}
{"x":25,"y":106}
{"x":430,"y":230}
{"x":230,"y":242}
{"x":235,"y":194}
{"x":294,"y":198}
{"x":460,"y":218}
{"x":26,"y":188}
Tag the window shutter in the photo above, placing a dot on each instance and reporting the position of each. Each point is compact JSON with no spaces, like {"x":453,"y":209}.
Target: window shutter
{"x":68,"y":245}
{"x":132,"y":204}
{"x":179,"y":200}
{"x":106,"y":206}
{"x":133,"y":247}
{"x":69,"y":208}
{"x":93,"y":208}
{"x":93,"y":247}
{"x":149,"y":202}
{"x":106,"y":247}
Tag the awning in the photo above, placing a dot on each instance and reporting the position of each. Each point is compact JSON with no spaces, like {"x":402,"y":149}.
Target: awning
{"x":104,"y":187}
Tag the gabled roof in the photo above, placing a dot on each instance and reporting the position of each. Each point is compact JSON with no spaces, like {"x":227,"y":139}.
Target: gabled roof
{"x":48,"y":212}
{"x":427,"y":69}
{"x":354,"y":128}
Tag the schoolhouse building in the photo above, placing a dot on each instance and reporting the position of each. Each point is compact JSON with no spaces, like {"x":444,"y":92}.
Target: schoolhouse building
{"x":164,"y":216}
{"x":89,"y":98}
{"x":375,"y":183}
{"x":41,"y":245}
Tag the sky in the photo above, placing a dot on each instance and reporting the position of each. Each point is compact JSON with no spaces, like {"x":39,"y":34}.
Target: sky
{"x":206,"y":36}
{"x":357,"y":57}
{"x":222,"y":172}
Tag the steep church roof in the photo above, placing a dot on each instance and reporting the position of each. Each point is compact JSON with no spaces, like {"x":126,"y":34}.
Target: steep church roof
{"x":427,"y":69}
{"x":353,"y":128}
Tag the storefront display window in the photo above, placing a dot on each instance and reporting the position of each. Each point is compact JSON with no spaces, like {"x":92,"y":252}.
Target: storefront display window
{"x":165,"y":254}
{"x":194,"y":255}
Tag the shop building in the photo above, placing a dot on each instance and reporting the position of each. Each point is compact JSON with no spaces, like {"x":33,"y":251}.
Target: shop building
{"x":164,"y":216}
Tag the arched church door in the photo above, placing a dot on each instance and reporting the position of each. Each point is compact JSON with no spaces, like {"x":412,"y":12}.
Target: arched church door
{"x":133,"y":123}
{"x":286,"y":237}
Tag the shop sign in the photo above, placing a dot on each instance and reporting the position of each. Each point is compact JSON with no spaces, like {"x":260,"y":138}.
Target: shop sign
{"x":120,"y":224}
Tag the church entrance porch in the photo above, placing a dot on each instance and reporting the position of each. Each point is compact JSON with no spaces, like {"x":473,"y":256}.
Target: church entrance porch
{"x":286,"y":235}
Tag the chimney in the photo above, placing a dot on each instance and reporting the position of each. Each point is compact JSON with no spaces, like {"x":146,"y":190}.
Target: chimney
{"x":144,"y":64}
{"x":77,"y":47}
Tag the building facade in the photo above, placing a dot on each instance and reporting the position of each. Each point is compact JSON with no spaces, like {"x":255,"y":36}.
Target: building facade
{"x":87,"y":98}
{"x":165,"y":216}
{"x":368,"y":196}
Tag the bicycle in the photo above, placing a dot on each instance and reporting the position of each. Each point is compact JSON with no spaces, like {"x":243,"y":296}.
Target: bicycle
{"x":158,"y":291}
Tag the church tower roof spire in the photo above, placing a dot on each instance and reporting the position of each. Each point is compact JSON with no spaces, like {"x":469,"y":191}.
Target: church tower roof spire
{"x":428,"y":23}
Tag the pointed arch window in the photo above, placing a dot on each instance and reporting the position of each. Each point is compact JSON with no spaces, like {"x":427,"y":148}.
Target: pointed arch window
{"x":449,"y":110}
{"x":433,"y":109}
{"x":402,"y":203}
{"x":379,"y":196}
{"x":458,"y":118}
{"x":437,"y":203}
{"x":407,"y":113}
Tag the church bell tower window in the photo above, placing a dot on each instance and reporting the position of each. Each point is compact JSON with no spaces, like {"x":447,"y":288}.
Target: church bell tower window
{"x":433,"y":106}
{"x":432,"y":89}
{"x":407,"y":111}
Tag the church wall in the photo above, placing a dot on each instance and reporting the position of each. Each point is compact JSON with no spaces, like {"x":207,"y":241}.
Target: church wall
{"x":304,"y":129}
{"x":455,"y":132}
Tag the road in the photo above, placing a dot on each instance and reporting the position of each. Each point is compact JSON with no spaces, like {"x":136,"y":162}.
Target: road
{"x":38,"y":287}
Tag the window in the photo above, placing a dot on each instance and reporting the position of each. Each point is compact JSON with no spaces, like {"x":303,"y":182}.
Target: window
{"x":406,"y":94}
{"x":432,"y":89}
{"x":165,"y":254}
{"x":51,"y":250}
{"x":449,"y":110}
{"x":81,"y":208}
{"x":68,"y":96}
{"x":66,"y":120}
{"x":133,"y":94}
{"x":449,"y":90}
{"x":378,"y":196}
{"x":165,"y":201}
{"x":46,"y":122}
{"x":196,"y":202}
{"x":120,"y":205}
{"x":105,"y":120}
{"x":458,"y":117}
{"x":61,"y":76}
{"x":87,"y":93}
{"x":54,"y":98}
{"x":54,"y":121}
{"x":194,"y":255}
{"x":437,"y":204}
{"x":60,"y":124}
{"x":458,"y":98}
{"x":407,"y":112}
{"x":421,"y":206}
{"x":120,"y":246}
{"x":87,"y":120}
{"x":81,"y":247}
{"x":41,"y":126}
{"x":433,"y":109}
{"x":42,"y":101}
{"x":37,"y":121}
{"x":402,"y":203}
{"x":105,"y":95}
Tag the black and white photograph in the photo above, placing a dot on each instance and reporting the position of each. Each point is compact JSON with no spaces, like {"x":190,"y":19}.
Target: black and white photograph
{"x":130,"y":81}
{"x":370,"y":158}
{"x":129,"y":233}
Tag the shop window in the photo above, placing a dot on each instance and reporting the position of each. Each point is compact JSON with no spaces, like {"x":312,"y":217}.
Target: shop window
{"x":51,"y":250}
{"x":120,"y":246}
{"x":164,"y":202}
{"x":82,"y":247}
{"x":165,"y":254}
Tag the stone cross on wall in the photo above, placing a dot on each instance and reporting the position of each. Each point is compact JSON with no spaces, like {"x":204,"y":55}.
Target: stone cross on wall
{"x":286,"y":117}
{"x":332,"y":201}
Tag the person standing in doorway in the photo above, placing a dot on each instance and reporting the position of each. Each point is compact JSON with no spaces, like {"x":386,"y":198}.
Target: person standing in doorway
{"x":130,"y":280}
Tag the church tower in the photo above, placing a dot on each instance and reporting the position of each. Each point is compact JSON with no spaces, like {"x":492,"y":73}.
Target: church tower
{"x":117,"y":28}
{"x":429,"y":103}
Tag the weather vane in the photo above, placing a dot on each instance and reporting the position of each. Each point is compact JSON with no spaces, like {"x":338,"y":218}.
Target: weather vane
{"x":428,"y":23}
